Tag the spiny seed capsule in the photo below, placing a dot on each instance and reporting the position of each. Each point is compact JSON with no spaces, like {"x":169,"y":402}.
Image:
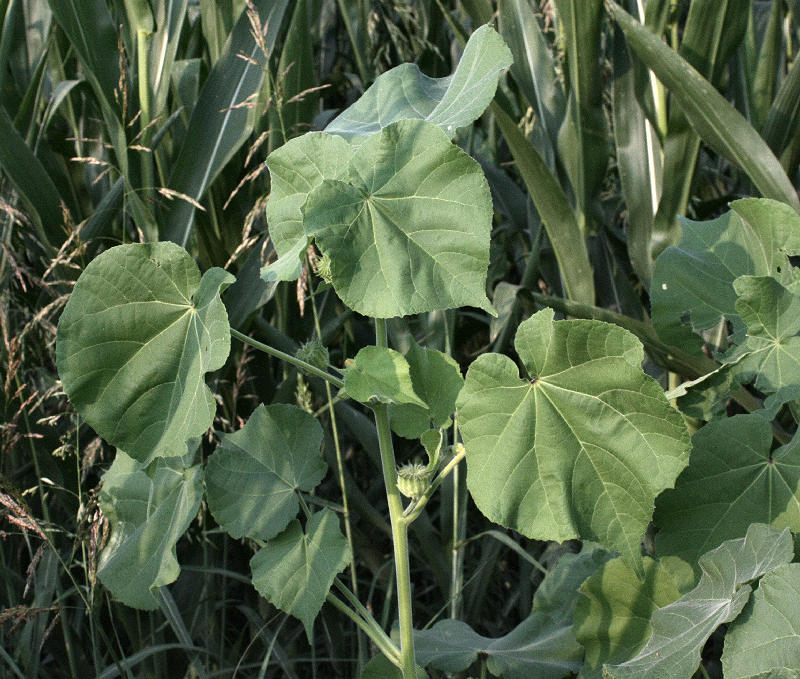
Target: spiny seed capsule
{"x":413,"y":479}
{"x":315,"y":353}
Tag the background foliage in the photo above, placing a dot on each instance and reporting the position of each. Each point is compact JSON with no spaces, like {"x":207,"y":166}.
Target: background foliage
{"x":146,"y":120}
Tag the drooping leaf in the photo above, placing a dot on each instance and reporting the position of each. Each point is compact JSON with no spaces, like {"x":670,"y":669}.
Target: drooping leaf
{"x":695,"y":278}
{"x":406,"y":228}
{"x":532,"y":649}
{"x":252,"y":478}
{"x":765,"y":640}
{"x":295,"y":169}
{"x":612,"y":617}
{"x":437,"y":380}
{"x":541,"y":457}
{"x":380,"y":374}
{"x":135,"y":340}
{"x":149,"y":509}
{"x":295,"y":570}
{"x":733,"y":480}
{"x":771,"y":313}
{"x":681,"y":629}
{"x":404,"y":92}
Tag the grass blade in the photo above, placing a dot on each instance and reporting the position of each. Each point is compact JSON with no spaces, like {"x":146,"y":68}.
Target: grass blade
{"x":717,"y":122}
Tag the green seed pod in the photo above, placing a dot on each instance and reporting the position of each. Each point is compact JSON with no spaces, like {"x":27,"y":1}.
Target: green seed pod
{"x":323,"y":269}
{"x":413,"y":479}
{"x":315,"y":353}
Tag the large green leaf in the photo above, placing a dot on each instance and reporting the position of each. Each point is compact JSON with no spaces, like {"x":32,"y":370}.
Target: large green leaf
{"x":612,"y":617}
{"x":295,"y":570}
{"x":380,"y":374}
{"x":436,"y":379}
{"x":295,"y":169}
{"x":733,"y":479}
{"x":149,"y":509}
{"x":135,"y":340}
{"x":406,"y":229}
{"x":717,"y":122}
{"x":579,"y":450}
{"x":681,"y":629}
{"x":405,"y":92}
{"x":695,"y":278}
{"x":772,"y":315}
{"x":765,"y":640}
{"x":222,"y":119}
{"x":252,"y":478}
{"x":532,"y":649}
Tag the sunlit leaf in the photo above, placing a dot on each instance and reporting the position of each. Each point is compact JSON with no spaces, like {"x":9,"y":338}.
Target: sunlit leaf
{"x":765,"y":640}
{"x":252,"y":478}
{"x":733,"y":479}
{"x":612,"y":616}
{"x":149,"y":509}
{"x":404,"y":92}
{"x":581,"y":448}
{"x":406,"y":228}
{"x":295,"y":570}
{"x":135,"y":340}
{"x":380,"y":374}
{"x":681,"y":629}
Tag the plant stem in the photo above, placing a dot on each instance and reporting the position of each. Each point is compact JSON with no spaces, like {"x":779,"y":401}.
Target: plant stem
{"x":398,"y":522}
{"x":277,"y":353}
{"x":383,"y":642}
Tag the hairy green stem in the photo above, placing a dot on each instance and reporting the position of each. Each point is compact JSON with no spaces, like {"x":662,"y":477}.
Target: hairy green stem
{"x":398,"y":522}
{"x":277,"y":353}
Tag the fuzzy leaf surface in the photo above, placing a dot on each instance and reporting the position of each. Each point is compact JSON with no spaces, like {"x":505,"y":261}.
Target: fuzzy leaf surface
{"x":681,"y":629}
{"x":295,"y":570}
{"x":694,"y":279}
{"x":733,"y":479}
{"x":136,"y":338}
{"x":437,"y":380}
{"x":404,"y":92}
{"x":252,"y":477}
{"x":612,"y":616}
{"x":765,"y":640}
{"x":407,"y":227}
{"x":149,"y":509}
{"x":380,"y":374}
{"x":535,"y":648}
{"x":579,"y":450}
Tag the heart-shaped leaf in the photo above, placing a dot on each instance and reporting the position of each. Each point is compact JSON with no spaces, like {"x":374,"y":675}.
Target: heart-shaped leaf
{"x":135,"y":340}
{"x":252,"y":478}
{"x":405,"y":92}
{"x":694,"y":279}
{"x":733,"y":479}
{"x":406,"y":228}
{"x":295,"y":570}
{"x":681,"y":629}
{"x":149,"y":509}
{"x":765,"y":640}
{"x":579,"y":450}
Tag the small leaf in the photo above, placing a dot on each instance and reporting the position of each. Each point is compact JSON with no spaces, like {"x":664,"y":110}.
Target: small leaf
{"x":437,"y":380}
{"x":406,"y":228}
{"x":612,"y":617}
{"x":695,"y":278}
{"x":404,"y":92}
{"x":381,"y":374}
{"x":135,"y":340}
{"x":532,"y":649}
{"x":296,"y":569}
{"x":681,"y":629}
{"x":149,"y":509}
{"x":252,"y":478}
{"x":765,"y":640}
{"x":732,"y":481}
{"x":540,"y":456}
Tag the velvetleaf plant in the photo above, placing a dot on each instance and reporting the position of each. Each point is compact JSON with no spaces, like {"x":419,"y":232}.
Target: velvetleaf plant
{"x":575,"y":442}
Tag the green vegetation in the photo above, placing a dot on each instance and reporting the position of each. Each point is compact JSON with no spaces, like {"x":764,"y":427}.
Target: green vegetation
{"x":320,"y":362}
